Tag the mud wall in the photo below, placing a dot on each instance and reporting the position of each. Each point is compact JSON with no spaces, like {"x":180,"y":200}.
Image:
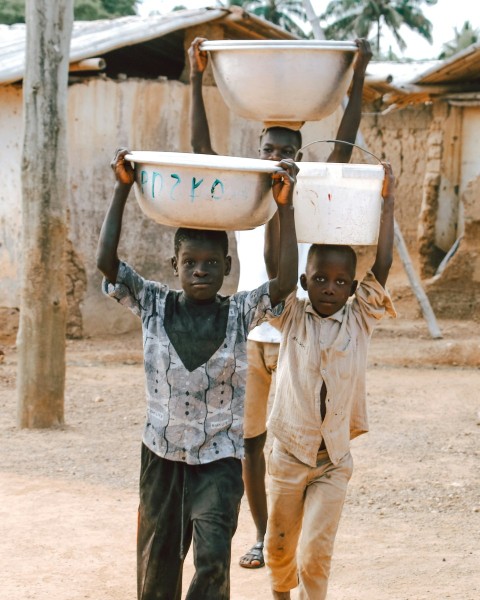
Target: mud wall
{"x":105,"y":114}
{"x":400,"y":136}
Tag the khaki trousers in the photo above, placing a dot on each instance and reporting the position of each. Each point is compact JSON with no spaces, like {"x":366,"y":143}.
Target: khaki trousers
{"x":304,"y":502}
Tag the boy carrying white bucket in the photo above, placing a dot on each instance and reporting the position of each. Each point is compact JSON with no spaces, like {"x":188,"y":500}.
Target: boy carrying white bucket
{"x":320,"y":403}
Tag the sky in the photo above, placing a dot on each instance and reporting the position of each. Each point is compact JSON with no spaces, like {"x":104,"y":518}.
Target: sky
{"x":445,"y":15}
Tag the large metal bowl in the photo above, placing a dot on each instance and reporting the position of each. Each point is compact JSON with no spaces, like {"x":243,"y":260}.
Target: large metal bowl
{"x":282,"y":80}
{"x":204,"y":191}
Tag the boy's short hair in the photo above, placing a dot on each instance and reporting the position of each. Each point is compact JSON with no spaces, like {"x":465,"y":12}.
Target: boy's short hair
{"x":294,"y":132}
{"x":347,"y":251}
{"x":183,"y":234}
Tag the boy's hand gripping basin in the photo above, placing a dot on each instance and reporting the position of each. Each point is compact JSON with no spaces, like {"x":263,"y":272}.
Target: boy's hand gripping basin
{"x":204,"y":191}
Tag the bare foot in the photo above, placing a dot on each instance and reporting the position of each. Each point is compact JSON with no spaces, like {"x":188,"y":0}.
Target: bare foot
{"x":281,"y":595}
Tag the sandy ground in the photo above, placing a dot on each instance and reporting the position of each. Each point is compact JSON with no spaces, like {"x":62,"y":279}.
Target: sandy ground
{"x":411,"y":524}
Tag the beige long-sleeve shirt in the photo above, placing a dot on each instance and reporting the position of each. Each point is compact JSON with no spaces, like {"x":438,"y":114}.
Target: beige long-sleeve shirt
{"x":331,"y":350}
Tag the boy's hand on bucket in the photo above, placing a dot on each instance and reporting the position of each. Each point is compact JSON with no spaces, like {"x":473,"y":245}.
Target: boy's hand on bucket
{"x":122,"y":168}
{"x":198,"y":58}
{"x":283,"y":182}
{"x":388,"y":189}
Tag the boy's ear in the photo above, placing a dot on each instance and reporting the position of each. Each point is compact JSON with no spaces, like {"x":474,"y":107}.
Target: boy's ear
{"x":354,"y":287}
{"x":303,"y":281}
{"x":228,"y":265}
{"x":173,"y":260}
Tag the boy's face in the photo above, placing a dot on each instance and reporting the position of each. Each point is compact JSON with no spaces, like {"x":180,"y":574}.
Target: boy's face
{"x":201,"y":266}
{"x":329,"y":280}
{"x":278,"y":144}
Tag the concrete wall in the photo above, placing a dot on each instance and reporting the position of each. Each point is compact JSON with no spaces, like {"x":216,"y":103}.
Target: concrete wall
{"x":456,"y":291}
{"x":105,"y":114}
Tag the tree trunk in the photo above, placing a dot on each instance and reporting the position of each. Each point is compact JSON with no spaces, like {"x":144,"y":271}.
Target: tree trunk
{"x":41,"y":337}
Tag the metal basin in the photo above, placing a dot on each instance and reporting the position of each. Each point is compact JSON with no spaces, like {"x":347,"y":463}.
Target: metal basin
{"x":282,"y":80}
{"x":204,"y":191}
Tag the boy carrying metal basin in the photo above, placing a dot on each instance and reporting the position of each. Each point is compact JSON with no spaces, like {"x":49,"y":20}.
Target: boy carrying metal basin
{"x":277,"y":142}
{"x":194,"y":343}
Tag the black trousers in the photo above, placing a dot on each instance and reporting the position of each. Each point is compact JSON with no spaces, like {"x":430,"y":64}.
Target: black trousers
{"x":180,"y":503}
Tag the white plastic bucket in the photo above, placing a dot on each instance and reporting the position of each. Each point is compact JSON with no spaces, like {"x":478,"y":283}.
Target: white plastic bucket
{"x":338,"y":203}
{"x":204,"y":191}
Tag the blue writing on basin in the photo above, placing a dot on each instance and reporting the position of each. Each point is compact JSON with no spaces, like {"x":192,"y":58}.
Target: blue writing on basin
{"x":177,"y":181}
{"x":155,"y":176}
{"x":215,"y":184}
{"x":195,"y":185}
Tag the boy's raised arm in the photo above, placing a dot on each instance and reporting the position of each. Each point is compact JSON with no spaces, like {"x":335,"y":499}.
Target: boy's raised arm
{"x":200,"y":133}
{"x":285,"y":279}
{"x":107,"y":258}
{"x":348,"y":128}
{"x":271,"y":245}
{"x":384,"y":256}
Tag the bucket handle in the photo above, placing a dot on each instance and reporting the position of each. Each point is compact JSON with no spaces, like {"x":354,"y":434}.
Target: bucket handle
{"x":335,"y":142}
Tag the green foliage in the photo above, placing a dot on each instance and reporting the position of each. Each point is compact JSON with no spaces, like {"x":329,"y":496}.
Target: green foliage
{"x":463,"y":38}
{"x":13,"y":11}
{"x":120,"y":8}
{"x":347,"y":18}
{"x":90,"y":10}
{"x":284,"y":13}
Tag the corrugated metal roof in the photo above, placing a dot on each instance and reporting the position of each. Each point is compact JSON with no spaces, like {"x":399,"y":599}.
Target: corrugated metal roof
{"x":463,"y":67}
{"x":94,"y":38}
{"x":391,"y":80}
{"x":401,"y":84}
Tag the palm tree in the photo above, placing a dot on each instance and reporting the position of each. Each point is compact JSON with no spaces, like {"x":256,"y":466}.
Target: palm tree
{"x":463,"y":38}
{"x":284,"y":13}
{"x":358,"y":17}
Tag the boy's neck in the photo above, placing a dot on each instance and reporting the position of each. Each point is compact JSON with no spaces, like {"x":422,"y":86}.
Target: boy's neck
{"x":192,"y":302}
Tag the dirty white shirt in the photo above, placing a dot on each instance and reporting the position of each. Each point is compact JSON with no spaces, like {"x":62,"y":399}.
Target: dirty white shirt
{"x":331,"y":350}
{"x":192,"y":416}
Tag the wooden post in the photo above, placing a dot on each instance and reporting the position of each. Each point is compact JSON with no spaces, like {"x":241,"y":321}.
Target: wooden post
{"x":416,"y":285}
{"x":41,"y":336}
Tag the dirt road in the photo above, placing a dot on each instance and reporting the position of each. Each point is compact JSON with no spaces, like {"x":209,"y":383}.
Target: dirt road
{"x":411,"y":524}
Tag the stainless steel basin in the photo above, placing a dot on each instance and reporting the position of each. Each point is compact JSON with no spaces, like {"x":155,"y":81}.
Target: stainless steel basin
{"x":282,"y":80}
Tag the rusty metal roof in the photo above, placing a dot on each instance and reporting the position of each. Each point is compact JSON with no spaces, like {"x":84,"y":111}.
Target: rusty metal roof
{"x":98,"y":38}
{"x":400,"y":84}
{"x":463,"y":67}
